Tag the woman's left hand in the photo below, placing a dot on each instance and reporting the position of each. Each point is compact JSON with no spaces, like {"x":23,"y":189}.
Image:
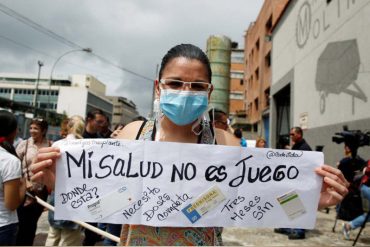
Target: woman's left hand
{"x":334,"y":187}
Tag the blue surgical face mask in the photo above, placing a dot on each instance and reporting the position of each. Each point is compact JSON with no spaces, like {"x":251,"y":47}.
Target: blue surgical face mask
{"x":183,"y":107}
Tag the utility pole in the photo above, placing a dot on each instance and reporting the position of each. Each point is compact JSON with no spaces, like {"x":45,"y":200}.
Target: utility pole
{"x":40,"y":63}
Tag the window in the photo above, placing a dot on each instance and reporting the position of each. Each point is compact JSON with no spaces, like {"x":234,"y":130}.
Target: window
{"x":269,"y":25}
{"x":257,"y":74}
{"x":268,"y":59}
{"x":236,"y":95}
{"x":255,"y":127}
{"x":237,"y":56}
{"x":256,"y":104}
{"x":236,"y":75}
{"x":267,"y":97}
{"x":258,"y":44}
{"x":241,"y":82}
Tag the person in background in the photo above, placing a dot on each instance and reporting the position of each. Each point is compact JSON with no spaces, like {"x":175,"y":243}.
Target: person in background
{"x":114,"y":229}
{"x":185,"y":76}
{"x":64,"y":232}
{"x":63,"y":128}
{"x":104,"y":130}
{"x":365,"y":191}
{"x":351,"y":166}
{"x":238,"y":133}
{"x":299,"y":143}
{"x":17,"y":139}
{"x":220,"y":119}
{"x":296,"y":136}
{"x":261,"y":142}
{"x":94,"y":120}
{"x":12,"y":185}
{"x":30,"y":212}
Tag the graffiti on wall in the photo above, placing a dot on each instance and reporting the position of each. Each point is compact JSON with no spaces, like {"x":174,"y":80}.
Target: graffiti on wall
{"x":337,"y":70}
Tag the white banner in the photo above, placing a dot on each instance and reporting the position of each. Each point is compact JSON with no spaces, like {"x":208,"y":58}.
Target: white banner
{"x":176,"y":184}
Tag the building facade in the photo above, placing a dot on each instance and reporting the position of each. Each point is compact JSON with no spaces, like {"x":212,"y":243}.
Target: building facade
{"x":74,"y":95}
{"x":321,"y":72}
{"x":237,"y":97}
{"x":124,"y":110}
{"x":219,"y":54}
{"x":257,"y":67}
{"x":237,"y":88}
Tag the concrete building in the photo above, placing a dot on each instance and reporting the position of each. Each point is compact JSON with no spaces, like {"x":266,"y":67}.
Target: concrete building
{"x":74,"y":95}
{"x":321,"y":72}
{"x":237,"y":99}
{"x":124,"y":110}
{"x":257,"y":70}
{"x":219,"y":54}
{"x":236,"y":96}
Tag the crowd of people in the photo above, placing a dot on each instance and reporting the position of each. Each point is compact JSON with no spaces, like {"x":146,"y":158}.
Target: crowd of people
{"x":19,"y":213}
{"x":183,"y":88}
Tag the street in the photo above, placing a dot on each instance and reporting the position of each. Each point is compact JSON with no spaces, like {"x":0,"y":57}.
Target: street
{"x":321,"y":236}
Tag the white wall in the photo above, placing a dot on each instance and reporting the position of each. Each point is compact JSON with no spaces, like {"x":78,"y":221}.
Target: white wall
{"x":72,"y":100}
{"x":88,"y":81}
{"x":341,"y":20}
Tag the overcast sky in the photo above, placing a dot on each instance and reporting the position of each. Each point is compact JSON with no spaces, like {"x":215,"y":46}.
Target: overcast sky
{"x":133,"y":34}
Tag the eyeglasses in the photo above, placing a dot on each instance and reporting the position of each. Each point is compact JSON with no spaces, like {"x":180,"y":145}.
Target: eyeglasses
{"x":194,"y":86}
{"x":100,"y":122}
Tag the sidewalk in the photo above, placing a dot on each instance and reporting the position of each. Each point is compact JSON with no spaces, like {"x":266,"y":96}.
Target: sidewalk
{"x":322,"y":235}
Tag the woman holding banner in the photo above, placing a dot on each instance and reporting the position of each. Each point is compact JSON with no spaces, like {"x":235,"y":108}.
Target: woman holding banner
{"x":183,"y":88}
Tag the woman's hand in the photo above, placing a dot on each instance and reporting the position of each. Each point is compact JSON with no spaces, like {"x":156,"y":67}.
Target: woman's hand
{"x":334,"y":187}
{"x":43,"y":166}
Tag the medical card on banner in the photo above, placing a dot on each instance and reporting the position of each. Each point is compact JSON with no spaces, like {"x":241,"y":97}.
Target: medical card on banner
{"x":185,"y":185}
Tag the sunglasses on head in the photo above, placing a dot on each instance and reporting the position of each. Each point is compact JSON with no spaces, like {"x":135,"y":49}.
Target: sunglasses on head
{"x":38,"y":119}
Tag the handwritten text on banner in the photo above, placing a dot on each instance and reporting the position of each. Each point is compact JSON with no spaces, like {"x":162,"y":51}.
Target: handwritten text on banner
{"x":175,"y":184}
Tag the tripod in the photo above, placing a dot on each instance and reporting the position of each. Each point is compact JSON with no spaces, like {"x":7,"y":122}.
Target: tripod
{"x":365,"y":203}
{"x":362,"y":227}
{"x":351,"y":206}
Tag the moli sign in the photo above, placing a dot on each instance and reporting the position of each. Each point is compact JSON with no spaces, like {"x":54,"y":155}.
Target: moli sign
{"x":303,"y":26}
{"x":176,"y":184}
{"x":313,"y":18}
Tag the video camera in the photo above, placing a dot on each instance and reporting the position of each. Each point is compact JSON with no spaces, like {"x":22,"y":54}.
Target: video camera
{"x":352,"y":139}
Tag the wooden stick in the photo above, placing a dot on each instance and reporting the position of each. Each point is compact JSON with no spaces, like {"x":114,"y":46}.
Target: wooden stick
{"x":83,"y":224}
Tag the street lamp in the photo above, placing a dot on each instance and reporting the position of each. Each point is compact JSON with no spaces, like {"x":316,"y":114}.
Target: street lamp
{"x":88,"y":50}
{"x":40,"y":63}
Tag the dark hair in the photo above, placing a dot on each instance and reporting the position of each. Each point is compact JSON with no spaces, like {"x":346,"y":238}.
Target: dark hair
{"x":238,"y":133}
{"x":8,"y":124}
{"x":298,"y":130}
{"x":188,"y":51}
{"x":91,"y":114}
{"x":41,"y":123}
{"x":219,"y":114}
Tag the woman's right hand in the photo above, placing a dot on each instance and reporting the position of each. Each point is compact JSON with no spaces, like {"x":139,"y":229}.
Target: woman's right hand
{"x":43,"y":166}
